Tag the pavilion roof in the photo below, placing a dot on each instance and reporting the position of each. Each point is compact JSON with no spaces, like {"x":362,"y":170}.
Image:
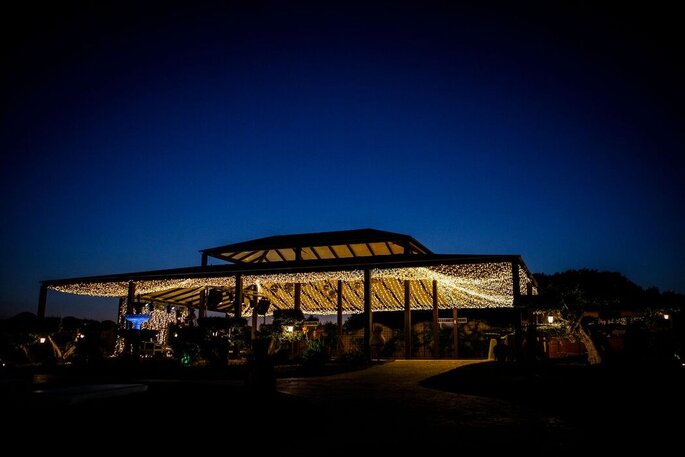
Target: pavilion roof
{"x":471,"y":281}
{"x":343,"y":244}
{"x":324,"y":264}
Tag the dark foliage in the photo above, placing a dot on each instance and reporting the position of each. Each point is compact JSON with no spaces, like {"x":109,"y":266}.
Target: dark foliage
{"x":288,"y":314}
{"x":214,"y":323}
{"x":30,"y":323}
{"x":392,"y":319}
{"x":315,"y":354}
{"x":592,"y":289}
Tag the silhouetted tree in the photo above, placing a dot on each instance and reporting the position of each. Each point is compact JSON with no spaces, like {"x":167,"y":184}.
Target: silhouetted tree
{"x":592,"y":289}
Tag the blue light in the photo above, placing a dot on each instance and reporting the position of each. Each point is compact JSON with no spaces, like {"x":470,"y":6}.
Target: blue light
{"x":137,"y":319}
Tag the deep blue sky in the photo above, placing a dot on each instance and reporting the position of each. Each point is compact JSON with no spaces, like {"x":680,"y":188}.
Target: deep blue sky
{"x":133,"y":136}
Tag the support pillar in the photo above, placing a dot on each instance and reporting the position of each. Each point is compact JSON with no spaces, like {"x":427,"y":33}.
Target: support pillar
{"x":255,"y":316}
{"x":518,"y":335}
{"x":253,"y":330}
{"x":204,"y":259}
{"x":518,"y":313}
{"x":407,"y":319}
{"x":202,"y":306}
{"x":122,"y":310}
{"x":436,"y":326}
{"x":238,"y":306}
{"x":298,"y":295}
{"x":340,"y":321}
{"x":238,"y":296}
{"x":515,"y":281}
{"x":455,"y":333}
{"x":130,"y":297}
{"x":42,"y":300}
{"x":368,"y":319}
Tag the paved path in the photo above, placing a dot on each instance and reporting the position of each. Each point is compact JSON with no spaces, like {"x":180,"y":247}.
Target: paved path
{"x":388,"y":402}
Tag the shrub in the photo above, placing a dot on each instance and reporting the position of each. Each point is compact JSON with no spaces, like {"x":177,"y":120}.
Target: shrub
{"x":315,"y":354}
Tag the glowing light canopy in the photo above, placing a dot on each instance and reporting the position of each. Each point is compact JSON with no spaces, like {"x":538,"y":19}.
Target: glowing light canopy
{"x":394,"y":261}
{"x":461,"y":286}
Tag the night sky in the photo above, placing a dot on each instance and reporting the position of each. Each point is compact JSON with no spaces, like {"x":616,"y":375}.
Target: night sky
{"x":134,"y":135}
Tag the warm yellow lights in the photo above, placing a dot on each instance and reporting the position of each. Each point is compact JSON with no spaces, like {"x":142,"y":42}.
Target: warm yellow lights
{"x":161,"y":319}
{"x":120,"y":289}
{"x":478,"y":285}
{"x":525,"y":282}
{"x":303,"y":278}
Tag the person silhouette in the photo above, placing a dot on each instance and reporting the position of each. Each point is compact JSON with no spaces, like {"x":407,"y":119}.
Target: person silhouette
{"x":377,"y":342}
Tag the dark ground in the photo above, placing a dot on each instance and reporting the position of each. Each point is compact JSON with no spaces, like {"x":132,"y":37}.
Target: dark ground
{"x":486,"y":408}
{"x":621,"y":408}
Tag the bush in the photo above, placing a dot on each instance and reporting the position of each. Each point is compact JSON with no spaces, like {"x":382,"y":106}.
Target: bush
{"x":288,"y":315}
{"x":354,"y":357}
{"x":315,"y":354}
{"x":188,"y":353}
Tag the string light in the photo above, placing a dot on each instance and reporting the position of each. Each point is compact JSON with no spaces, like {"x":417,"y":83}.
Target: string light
{"x":478,"y":285}
{"x":304,"y":278}
{"x":120,"y":289}
{"x":161,"y":319}
{"x":524,"y":281}
{"x":119,"y":346}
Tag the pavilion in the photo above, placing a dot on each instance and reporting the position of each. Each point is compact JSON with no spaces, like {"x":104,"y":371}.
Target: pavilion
{"x":341,"y":272}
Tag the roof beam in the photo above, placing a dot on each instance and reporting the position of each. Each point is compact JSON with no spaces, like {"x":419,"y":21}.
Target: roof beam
{"x":373,"y":292}
{"x":188,"y":297}
{"x":263,"y":256}
{"x":345,"y":299}
{"x":269,"y":295}
{"x":181,"y":292}
{"x":170,"y":302}
{"x":354,"y":254}
{"x":224,"y":270}
{"x":425,"y":290}
{"x":325,"y":296}
{"x":360,"y":297}
{"x":307,"y":295}
{"x":389,"y":289}
{"x":238,"y":257}
{"x":277,"y":296}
